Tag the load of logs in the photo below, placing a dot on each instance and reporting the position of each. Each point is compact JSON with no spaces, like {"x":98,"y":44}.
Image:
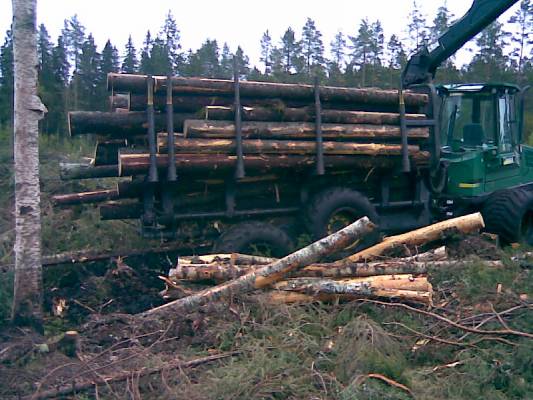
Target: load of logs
{"x":218,"y":126}
{"x":372,"y":272}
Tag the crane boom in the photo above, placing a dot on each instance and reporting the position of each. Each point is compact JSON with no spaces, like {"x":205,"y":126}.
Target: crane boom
{"x":422,"y":66}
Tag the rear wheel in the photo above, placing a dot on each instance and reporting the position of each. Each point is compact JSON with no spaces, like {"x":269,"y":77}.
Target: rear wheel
{"x":509,"y":214}
{"x":335,"y":208}
{"x":255,"y":238}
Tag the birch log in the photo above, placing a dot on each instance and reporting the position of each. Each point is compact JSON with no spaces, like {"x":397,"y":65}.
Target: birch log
{"x":466,"y":224}
{"x":28,"y":110}
{"x":270,"y":273}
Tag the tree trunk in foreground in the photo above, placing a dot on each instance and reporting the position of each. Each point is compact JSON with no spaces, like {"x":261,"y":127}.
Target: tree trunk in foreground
{"x":466,"y":224}
{"x":270,"y":273}
{"x":27,"y":295}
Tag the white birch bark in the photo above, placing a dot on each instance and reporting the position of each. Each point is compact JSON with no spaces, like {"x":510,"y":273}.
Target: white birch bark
{"x":28,"y":110}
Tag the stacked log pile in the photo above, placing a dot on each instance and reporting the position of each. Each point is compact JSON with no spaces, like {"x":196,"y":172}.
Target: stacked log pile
{"x":368,"y":273}
{"x":359,"y":128}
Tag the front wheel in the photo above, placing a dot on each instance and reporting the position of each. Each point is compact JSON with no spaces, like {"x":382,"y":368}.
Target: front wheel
{"x":509,"y":214}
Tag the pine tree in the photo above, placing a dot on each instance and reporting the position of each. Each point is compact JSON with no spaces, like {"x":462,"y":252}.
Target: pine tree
{"x":110,"y":61}
{"x":130,"y":62}
{"x":57,"y":115}
{"x":397,"y":55}
{"x":266,"y":52}
{"x":291,"y":52}
{"x":74,"y":35}
{"x":441,"y":22}
{"x":523,"y":19}
{"x":6,"y":80}
{"x":87,"y":76}
{"x":226,"y":63}
{"x":361,"y":48}
{"x":243,"y":63}
{"x":145,"y":66}
{"x":171,"y":37}
{"x":417,"y":26}
{"x":490,"y":63}
{"x":160,"y":62}
{"x":377,"y":43}
{"x":205,"y":61}
{"x":46,"y":88}
{"x":312,"y":48}
{"x":338,"y":50}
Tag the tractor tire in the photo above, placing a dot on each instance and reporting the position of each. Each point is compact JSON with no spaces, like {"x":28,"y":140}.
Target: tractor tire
{"x":337,"y":207}
{"x":509,"y":214}
{"x":255,"y":238}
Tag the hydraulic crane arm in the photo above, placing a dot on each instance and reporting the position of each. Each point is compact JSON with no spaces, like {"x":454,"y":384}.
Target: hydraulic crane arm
{"x":422,"y":66}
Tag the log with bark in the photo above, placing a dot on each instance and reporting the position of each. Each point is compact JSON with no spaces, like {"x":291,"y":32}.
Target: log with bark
{"x":260,"y":146}
{"x":466,"y":224}
{"x":217,"y":87}
{"x":119,"y":125}
{"x":269,"y":274}
{"x":86,"y":171}
{"x":191,"y":103}
{"x":134,"y":164}
{"x":96,"y":196}
{"x":197,"y":104}
{"x":221,"y":268}
{"x":223,"y":272}
{"x":296,"y":130}
{"x":307,"y":114}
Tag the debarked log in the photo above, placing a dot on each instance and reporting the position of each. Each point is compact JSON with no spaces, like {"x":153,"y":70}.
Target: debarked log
{"x":287,"y":297}
{"x":182,"y":85}
{"x":86,"y":171}
{"x":295,"y":130}
{"x":135,"y":164}
{"x":119,"y":125}
{"x":465,"y":224}
{"x":307,"y":114}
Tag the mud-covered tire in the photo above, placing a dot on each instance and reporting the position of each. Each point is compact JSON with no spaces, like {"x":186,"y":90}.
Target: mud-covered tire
{"x":509,"y":214}
{"x":336,"y":201}
{"x":248,"y":237}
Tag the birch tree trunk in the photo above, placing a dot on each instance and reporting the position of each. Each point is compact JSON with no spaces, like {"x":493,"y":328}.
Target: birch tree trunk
{"x":28,"y":110}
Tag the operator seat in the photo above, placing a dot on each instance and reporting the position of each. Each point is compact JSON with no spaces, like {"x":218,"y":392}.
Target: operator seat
{"x":473,"y":135}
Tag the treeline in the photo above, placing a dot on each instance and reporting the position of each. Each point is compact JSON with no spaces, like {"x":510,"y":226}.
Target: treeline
{"x":72,"y":70}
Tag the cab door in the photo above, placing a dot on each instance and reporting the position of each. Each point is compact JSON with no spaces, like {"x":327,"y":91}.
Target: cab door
{"x":503,"y":162}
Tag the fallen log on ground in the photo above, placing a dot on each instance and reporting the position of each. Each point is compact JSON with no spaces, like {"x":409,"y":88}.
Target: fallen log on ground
{"x":119,"y":125}
{"x":85,"y":256}
{"x":259,"y":147}
{"x":227,"y":259}
{"x":134,"y":164}
{"x":307,"y":114}
{"x":305,"y":290}
{"x":213,"y":87}
{"x":86,"y":171}
{"x":466,"y":224}
{"x":269,"y":274}
{"x":220,"y":272}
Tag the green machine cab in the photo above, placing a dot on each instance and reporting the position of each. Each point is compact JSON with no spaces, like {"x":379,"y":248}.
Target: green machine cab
{"x":481,"y":137}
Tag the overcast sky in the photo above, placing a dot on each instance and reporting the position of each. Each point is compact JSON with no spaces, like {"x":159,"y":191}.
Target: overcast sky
{"x":236,"y":22}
